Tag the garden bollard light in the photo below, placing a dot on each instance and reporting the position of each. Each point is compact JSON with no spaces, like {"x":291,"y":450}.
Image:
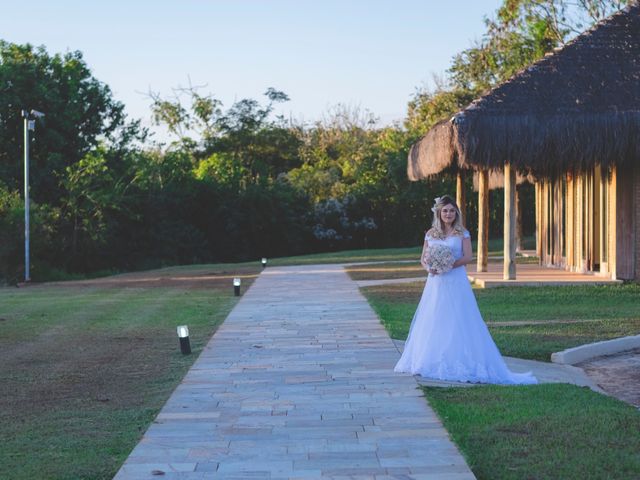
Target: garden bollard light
{"x":236,"y":286}
{"x":264,"y":262}
{"x":183,"y":335}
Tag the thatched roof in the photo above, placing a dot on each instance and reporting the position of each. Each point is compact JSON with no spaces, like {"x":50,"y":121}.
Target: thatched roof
{"x":577,"y":107}
{"x":437,"y":146}
{"x":496,"y":179}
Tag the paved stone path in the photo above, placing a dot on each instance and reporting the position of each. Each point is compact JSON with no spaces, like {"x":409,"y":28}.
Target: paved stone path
{"x":297,"y":383}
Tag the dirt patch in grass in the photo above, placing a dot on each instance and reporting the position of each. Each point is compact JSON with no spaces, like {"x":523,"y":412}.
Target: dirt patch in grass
{"x":384,"y":271}
{"x":171,"y":277}
{"x":61,"y":367}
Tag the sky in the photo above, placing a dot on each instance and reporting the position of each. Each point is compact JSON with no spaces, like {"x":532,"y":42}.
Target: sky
{"x":366,"y":54}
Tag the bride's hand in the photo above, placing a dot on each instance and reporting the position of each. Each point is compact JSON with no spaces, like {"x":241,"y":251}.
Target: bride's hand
{"x":432,"y":272}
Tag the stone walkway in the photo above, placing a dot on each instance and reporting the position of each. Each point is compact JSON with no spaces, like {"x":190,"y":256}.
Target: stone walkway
{"x":297,"y":383}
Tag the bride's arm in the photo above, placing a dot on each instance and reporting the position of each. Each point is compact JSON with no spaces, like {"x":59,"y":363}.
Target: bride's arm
{"x":422,"y":255}
{"x":423,"y":260}
{"x":467,"y":254}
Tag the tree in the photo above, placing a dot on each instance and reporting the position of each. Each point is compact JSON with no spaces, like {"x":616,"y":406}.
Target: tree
{"x":94,"y":193}
{"x":245,"y":134}
{"x":521,"y":33}
{"x":80,"y":112}
{"x":428,"y":107}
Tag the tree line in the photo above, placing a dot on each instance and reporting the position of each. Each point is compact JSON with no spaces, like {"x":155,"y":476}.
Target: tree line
{"x":235,"y":183}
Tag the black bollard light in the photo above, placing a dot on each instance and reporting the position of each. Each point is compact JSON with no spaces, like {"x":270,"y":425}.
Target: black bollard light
{"x":264,"y":262}
{"x":183,"y":335}
{"x":236,"y":286}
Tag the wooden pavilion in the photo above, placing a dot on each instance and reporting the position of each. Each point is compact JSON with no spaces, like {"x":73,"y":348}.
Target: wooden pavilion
{"x":570,"y":122}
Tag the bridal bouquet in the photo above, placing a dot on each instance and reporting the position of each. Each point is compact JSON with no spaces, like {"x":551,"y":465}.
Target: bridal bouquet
{"x":439,"y":258}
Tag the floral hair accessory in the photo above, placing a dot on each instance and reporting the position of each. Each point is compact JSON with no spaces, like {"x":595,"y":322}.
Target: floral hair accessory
{"x":435,"y":203}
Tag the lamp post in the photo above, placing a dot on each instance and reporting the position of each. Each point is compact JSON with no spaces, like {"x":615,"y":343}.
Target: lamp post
{"x":29,"y":125}
{"x":264,"y":262}
{"x":183,"y":335}
{"x":236,"y":286}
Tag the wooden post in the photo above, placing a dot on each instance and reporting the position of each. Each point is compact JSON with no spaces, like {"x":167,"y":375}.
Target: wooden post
{"x":518,"y":221}
{"x":570,"y":236}
{"x":461,"y":199}
{"x":509,"y":269}
{"x":590,"y":223}
{"x":557,"y":222}
{"x":579,"y":225}
{"x":613,"y":223}
{"x":625,"y":228}
{"x":538,"y":200}
{"x":483,"y":220}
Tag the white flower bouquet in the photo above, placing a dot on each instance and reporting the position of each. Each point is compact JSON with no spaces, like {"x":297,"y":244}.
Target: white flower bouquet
{"x":439,"y":258}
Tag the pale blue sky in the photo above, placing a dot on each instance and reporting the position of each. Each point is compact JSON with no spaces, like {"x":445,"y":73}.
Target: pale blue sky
{"x":367,"y":53}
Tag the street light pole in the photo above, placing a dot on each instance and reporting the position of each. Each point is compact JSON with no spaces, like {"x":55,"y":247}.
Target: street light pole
{"x":27,"y":122}
{"x":29,"y":125}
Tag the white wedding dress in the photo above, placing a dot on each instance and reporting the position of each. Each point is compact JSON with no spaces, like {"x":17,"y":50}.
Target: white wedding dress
{"x":448,"y":339}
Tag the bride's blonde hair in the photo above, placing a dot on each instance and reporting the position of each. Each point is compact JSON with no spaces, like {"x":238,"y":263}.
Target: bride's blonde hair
{"x":437,"y":227}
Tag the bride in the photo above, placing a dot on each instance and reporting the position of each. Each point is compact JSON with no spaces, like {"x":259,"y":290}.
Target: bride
{"x":448,"y":339}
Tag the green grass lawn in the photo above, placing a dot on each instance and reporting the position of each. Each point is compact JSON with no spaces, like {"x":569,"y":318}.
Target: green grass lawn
{"x":615,"y":310}
{"x":538,"y":342}
{"x":554,"y":431}
{"x":86,"y":366}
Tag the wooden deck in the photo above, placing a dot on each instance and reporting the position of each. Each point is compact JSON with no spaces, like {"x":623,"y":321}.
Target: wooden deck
{"x":528,"y":275}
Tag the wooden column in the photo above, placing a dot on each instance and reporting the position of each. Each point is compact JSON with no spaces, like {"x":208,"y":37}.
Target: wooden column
{"x":588,"y":219}
{"x":597,"y":218}
{"x":570,"y":237}
{"x":625,"y":228}
{"x":544,"y":221}
{"x":557,"y":222}
{"x":461,"y":199}
{"x":578,"y":229}
{"x":536,"y":186}
{"x":509,"y":270}
{"x":483,"y":220}
{"x":613,"y":223}
{"x":548,"y":223}
{"x":518,"y":221}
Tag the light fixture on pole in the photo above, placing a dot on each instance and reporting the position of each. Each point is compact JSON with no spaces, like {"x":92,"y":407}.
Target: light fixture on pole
{"x":183,"y":335}
{"x":264,"y":262}
{"x":236,"y":286}
{"x":29,"y":126}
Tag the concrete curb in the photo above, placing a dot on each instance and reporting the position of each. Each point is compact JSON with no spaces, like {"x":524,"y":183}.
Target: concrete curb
{"x":579,"y":354}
